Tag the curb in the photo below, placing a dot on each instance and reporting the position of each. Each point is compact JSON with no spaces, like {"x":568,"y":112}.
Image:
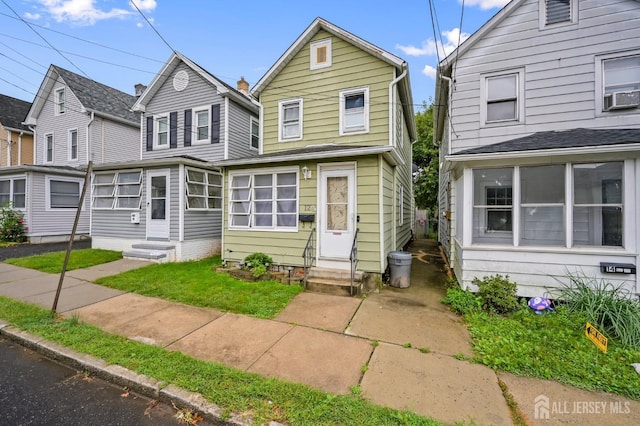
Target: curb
{"x":121,"y":376}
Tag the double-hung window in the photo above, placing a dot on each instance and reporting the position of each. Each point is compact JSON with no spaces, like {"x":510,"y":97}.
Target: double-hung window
{"x":255,"y":133}
{"x":202,"y":123}
{"x":264,"y":200}
{"x":354,"y":111}
{"x":502,"y":98}
{"x":73,"y":145}
{"x":120,"y":190}
{"x":161,"y":139}
{"x":290,"y":120}
{"x":493,"y":205}
{"x":13,"y":192}
{"x":63,"y":194}
{"x":60,"y":101}
{"x":204,"y":189}
{"x":621,"y":82}
{"x":48,"y":148}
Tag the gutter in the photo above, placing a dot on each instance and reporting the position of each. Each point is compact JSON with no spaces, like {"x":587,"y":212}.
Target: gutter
{"x":392,"y":114}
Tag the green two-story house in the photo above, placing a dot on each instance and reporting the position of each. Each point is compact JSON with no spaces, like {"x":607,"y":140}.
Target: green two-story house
{"x":333,"y":174}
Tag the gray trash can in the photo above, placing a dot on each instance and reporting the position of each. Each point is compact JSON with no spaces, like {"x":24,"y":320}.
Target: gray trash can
{"x":399,"y":269}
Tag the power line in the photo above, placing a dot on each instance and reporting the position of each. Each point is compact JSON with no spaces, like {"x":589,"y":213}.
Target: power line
{"x":152,"y":27}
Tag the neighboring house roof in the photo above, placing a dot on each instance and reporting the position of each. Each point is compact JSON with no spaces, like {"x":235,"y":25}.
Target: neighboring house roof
{"x":321,"y":24}
{"x":94,"y":97}
{"x":153,"y":162}
{"x":557,"y":140}
{"x":58,"y":170}
{"x":12,"y":113}
{"x":167,"y":70}
{"x":315,"y":152}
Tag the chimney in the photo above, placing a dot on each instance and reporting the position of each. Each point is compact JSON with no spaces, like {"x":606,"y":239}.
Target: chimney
{"x":243,"y":86}
{"x":139,"y":89}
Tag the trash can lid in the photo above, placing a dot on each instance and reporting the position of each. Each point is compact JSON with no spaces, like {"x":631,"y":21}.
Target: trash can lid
{"x":399,"y":255}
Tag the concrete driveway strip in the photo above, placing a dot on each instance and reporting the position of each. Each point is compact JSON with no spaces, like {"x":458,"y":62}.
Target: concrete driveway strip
{"x":439,"y":386}
{"x":233,"y":340}
{"x":323,"y":311}
{"x":324,"y":360}
{"x":545,"y":402}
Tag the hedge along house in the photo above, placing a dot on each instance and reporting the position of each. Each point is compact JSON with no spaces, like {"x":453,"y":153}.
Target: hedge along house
{"x":538,"y":119}
{"x":74,"y":119}
{"x":167,"y":205}
{"x":334,"y":170}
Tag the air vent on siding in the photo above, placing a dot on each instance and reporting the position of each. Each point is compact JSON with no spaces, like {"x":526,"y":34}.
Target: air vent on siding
{"x":558,"y":11}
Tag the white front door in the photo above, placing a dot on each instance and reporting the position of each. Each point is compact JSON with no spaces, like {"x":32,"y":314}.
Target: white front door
{"x":337,"y":214}
{"x":158,"y":205}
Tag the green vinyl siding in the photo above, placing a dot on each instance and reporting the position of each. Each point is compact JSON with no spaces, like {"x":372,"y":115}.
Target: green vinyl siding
{"x":387,"y":206}
{"x":351,"y":68}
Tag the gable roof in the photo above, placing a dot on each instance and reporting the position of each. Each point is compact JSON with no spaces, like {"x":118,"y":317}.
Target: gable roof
{"x":12,"y":113}
{"x":556,"y":140}
{"x":94,"y":97}
{"x":176,"y":58}
{"x":317,"y":25}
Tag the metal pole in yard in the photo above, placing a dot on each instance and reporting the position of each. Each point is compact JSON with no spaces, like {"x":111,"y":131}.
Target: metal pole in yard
{"x":71,"y":238}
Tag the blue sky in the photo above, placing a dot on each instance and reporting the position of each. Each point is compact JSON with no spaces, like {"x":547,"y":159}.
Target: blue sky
{"x":110,"y":41}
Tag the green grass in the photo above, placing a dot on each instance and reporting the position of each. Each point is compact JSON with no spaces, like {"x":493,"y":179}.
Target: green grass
{"x":197,"y":283}
{"x":52,"y":262}
{"x":235,"y":391}
{"x":553,"y":347}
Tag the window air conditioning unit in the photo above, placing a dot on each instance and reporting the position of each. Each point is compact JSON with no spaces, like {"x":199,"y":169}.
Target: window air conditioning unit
{"x":622,"y":100}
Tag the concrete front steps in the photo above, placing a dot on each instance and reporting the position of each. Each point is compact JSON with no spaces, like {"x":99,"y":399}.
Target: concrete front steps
{"x":155,"y":252}
{"x":333,"y":281}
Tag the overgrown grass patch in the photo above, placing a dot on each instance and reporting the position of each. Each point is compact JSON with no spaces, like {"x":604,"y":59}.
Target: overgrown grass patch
{"x":78,"y":259}
{"x":197,"y":283}
{"x":235,"y":391}
{"x":553,"y":347}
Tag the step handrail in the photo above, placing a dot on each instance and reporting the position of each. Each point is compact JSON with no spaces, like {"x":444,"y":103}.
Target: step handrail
{"x":308,"y":254}
{"x":353,"y":259}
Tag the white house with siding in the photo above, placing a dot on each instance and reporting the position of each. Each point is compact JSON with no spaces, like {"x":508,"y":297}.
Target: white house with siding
{"x":167,"y":205}
{"x":538,"y":120}
{"x":73,"y":119}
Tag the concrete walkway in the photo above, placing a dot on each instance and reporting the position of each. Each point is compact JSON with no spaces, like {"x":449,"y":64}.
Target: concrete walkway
{"x":412,"y":346}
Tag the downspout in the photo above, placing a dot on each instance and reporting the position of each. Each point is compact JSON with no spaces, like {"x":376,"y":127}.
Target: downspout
{"x":35,"y":144}
{"x":392,"y":114}
{"x":20,"y":148}
{"x":89,"y":158}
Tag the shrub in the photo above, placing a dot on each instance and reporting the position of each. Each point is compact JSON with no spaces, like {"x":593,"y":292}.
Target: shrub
{"x":498,"y":294}
{"x":258,"y":271}
{"x":462,"y":301}
{"x":256,"y":259}
{"x":607,"y":306}
{"x":11,"y":225}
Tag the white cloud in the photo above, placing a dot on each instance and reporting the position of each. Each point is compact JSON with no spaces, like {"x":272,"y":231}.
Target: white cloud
{"x":145,"y":5}
{"x":429,"y":71}
{"x":486,"y":4}
{"x":32,"y":16}
{"x":428,"y":48}
{"x":82,"y":12}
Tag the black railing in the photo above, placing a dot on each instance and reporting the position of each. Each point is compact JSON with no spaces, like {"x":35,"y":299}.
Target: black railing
{"x":353,"y":258}
{"x":308,"y":255}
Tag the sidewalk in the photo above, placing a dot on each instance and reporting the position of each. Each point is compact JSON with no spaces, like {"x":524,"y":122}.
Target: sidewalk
{"x":409,"y":341}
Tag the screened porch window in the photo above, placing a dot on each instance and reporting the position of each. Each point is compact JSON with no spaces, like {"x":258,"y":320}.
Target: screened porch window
{"x":492,"y":205}
{"x":63,"y":194}
{"x":542,"y":205}
{"x":204,"y":190}
{"x":262,"y":200}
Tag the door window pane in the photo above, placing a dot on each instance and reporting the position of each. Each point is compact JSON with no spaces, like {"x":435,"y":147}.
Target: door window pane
{"x":337,"y":197}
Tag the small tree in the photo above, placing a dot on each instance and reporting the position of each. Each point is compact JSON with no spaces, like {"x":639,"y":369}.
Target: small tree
{"x":12,"y":227}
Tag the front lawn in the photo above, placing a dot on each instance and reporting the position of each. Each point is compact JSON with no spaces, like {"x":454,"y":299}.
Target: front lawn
{"x":197,"y":283}
{"x":78,"y":259}
{"x":234,"y":391}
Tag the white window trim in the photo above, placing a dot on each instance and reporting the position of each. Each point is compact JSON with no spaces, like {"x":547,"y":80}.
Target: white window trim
{"x":599,"y":95}
{"x":53,"y":148}
{"x":57,"y":98}
{"x":281,"y":104}
{"x":313,"y":48}
{"x":560,"y":26}
{"x":206,"y":184}
{"x":273,"y":171}
{"x":252,"y":121}
{"x":47,"y":189}
{"x":156,"y":118}
{"x":343,"y":95}
{"x":11,"y":180}
{"x":114,"y":193}
{"x":520,"y":99}
{"x":194,"y":125}
{"x":70,"y":150}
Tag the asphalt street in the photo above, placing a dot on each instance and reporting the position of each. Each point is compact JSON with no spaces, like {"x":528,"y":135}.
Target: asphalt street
{"x":37,"y":391}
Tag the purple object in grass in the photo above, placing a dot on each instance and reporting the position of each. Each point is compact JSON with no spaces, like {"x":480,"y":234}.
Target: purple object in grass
{"x":540,"y":304}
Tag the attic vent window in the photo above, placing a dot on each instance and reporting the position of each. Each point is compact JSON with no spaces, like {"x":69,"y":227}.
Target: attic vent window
{"x":558,"y":11}
{"x":180,"y":80}
{"x":320,"y":54}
